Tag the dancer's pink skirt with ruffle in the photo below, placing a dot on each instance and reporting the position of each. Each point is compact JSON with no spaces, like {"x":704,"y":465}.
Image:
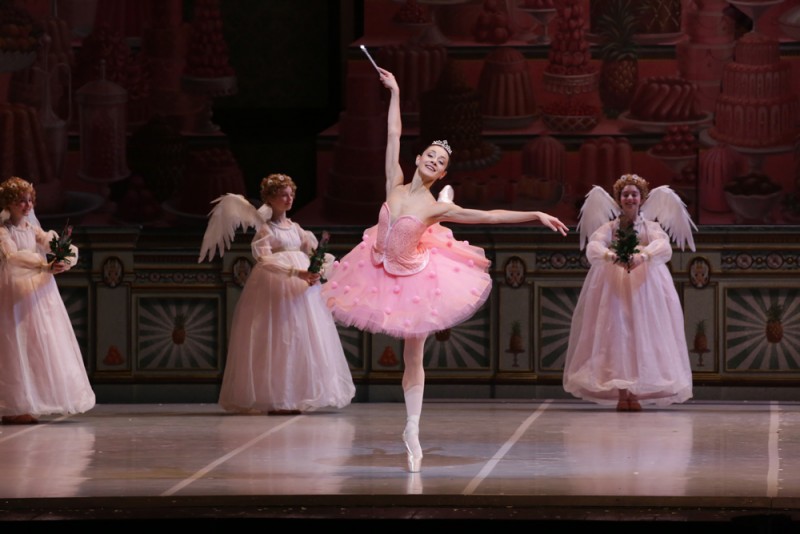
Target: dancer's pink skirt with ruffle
{"x":451,"y":287}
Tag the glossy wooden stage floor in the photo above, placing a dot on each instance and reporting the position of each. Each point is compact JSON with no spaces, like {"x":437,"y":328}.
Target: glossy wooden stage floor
{"x":529,"y":463}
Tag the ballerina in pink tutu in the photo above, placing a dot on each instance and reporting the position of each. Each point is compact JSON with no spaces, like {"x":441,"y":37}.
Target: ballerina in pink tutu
{"x":409,"y":277}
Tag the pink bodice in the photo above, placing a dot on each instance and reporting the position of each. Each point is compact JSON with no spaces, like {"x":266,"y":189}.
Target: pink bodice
{"x":397,"y":244}
{"x":407,"y":279}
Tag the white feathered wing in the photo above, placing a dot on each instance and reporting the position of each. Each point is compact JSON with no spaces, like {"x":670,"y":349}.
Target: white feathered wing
{"x":230,"y":212}
{"x":446,"y":194}
{"x":665,"y":206}
{"x":598,"y":208}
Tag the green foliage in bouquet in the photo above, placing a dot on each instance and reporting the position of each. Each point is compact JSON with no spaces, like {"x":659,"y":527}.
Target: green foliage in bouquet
{"x":627,"y":241}
{"x":318,"y":255}
{"x":60,"y":246}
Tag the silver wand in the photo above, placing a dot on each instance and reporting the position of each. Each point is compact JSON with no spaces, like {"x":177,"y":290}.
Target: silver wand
{"x":369,"y":57}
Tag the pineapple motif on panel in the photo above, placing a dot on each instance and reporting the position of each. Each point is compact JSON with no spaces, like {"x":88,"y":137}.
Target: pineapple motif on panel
{"x":556,"y":307}
{"x":616,"y":27}
{"x":387,"y":353}
{"x":515,"y":301}
{"x":761,"y":330}
{"x":178,"y":333}
{"x":514,"y":329}
{"x":514,"y":350}
{"x":700,"y":324}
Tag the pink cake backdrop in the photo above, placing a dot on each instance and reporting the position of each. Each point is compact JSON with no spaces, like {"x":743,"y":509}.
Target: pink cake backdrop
{"x":502,"y":184}
{"x":120,"y":83}
{"x":160,"y":85}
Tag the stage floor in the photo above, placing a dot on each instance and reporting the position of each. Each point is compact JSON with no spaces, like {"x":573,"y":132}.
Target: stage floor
{"x":532,"y":463}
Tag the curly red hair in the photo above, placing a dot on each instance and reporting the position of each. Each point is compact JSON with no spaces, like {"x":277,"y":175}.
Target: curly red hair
{"x":631,"y":179}
{"x":273,"y":183}
{"x":12,"y":190}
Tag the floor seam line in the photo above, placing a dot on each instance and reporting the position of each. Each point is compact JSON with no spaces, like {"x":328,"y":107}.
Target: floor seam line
{"x":500,"y":454}
{"x":224,"y":458}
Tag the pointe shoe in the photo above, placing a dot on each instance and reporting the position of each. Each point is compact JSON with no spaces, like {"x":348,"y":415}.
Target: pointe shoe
{"x":413,"y":451}
{"x":634,"y":406}
{"x":623,"y":405}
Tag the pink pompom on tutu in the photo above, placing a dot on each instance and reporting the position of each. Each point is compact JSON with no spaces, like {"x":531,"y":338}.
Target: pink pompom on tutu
{"x":447,"y":284}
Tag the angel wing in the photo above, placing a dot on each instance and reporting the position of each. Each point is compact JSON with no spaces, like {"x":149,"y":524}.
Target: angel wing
{"x":446,"y":194}
{"x":598,"y":208}
{"x":665,"y":206}
{"x":230,"y":212}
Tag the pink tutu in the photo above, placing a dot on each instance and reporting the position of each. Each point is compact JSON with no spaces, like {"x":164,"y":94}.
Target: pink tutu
{"x":447,"y":286}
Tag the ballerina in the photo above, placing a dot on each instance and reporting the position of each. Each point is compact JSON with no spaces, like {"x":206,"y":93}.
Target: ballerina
{"x":409,"y":277}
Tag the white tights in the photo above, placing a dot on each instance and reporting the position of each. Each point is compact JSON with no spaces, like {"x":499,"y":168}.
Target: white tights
{"x":413,"y":389}
{"x":413,"y":398}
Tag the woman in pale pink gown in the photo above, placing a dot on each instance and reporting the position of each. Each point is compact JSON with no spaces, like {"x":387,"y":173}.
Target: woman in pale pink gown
{"x":284,"y":355}
{"x":409,"y":277}
{"x":627,"y":344}
{"x":41,"y":366}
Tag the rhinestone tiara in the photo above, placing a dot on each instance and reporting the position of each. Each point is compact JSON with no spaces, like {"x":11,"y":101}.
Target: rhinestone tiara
{"x":443,"y":143}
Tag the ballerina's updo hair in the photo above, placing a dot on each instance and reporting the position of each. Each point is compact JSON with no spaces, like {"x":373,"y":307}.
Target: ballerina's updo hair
{"x":12,"y":190}
{"x":631,"y":179}
{"x":273,"y":183}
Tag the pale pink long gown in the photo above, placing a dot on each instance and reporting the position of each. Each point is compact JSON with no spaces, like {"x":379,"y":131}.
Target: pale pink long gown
{"x":284,"y":351}
{"x":627,"y":329}
{"x":41,"y":366}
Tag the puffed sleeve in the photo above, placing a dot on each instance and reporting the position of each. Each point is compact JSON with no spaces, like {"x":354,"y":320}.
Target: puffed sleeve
{"x":22,"y":262}
{"x":328,"y":263}
{"x":73,"y":260}
{"x":261,"y":248}
{"x":43,"y":241}
{"x":597,"y":250}
{"x":24,"y":266}
{"x":659,"y":249}
{"x":7,"y":246}
{"x":309,"y":241}
{"x":43,"y":238}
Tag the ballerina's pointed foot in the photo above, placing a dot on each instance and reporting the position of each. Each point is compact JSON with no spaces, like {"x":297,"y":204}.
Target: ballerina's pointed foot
{"x":413,"y":450}
{"x":414,"y":464}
